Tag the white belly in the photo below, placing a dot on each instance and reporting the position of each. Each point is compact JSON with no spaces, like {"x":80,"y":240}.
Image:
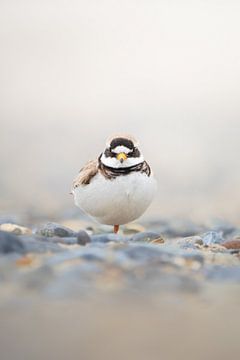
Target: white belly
{"x":117,"y":201}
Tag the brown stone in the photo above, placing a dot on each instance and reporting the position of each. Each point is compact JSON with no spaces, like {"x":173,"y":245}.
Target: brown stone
{"x":232,"y":244}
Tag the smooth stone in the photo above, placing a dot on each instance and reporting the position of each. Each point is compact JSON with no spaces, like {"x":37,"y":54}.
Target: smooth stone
{"x":53,"y":229}
{"x":232,"y":244}
{"x":10,"y":243}
{"x":147,"y":237}
{"x":83,"y":238}
{"x":212,"y":237}
{"x":15,"y":229}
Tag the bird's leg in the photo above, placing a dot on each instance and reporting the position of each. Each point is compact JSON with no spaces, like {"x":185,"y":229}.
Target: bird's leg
{"x":116,"y":228}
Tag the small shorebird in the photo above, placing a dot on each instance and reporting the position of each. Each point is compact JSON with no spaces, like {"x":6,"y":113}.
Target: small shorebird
{"x":117,"y":187}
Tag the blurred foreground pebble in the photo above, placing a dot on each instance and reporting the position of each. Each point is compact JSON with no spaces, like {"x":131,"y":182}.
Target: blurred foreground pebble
{"x":55,"y":260}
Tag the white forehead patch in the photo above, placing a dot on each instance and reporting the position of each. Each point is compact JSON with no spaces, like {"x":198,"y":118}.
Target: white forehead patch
{"x":121,"y":148}
{"x":115,"y":163}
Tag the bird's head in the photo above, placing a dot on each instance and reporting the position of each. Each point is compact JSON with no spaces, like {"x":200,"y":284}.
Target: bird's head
{"x":121,"y":152}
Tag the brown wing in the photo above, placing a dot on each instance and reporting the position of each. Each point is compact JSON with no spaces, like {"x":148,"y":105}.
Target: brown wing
{"x":86,"y":174}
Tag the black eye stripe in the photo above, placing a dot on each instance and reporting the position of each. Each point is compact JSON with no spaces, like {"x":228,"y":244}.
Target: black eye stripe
{"x":135,"y":153}
{"x":109,"y":153}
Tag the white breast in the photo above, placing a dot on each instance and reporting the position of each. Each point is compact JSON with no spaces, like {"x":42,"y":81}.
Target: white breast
{"x":117,"y":201}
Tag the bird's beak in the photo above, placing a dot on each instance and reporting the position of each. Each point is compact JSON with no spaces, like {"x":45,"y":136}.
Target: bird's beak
{"x":121,"y":157}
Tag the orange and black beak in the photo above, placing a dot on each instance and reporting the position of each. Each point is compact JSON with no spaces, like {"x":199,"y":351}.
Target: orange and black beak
{"x":121,"y":157}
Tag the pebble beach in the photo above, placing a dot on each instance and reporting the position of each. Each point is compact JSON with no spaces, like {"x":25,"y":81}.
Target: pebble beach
{"x":73,"y":289}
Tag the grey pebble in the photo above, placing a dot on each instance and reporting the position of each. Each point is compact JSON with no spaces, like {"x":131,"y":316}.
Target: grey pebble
{"x":10,"y":243}
{"x":212,"y":237}
{"x":83,"y":238}
{"x":53,"y":229}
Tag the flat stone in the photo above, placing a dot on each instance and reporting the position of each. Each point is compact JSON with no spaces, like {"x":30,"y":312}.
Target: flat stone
{"x":53,"y":229}
{"x":10,"y":243}
{"x":232,"y":244}
{"x":15,"y":229}
{"x":147,"y":237}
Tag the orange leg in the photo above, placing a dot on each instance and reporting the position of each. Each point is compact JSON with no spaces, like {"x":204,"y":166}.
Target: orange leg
{"x":116,"y":228}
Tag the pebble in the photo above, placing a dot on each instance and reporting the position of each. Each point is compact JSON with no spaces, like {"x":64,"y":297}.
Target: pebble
{"x":53,"y":229}
{"x":15,"y":229}
{"x":83,"y":238}
{"x":232,"y":244}
{"x":10,"y":243}
{"x":212,"y":237}
{"x":147,"y":237}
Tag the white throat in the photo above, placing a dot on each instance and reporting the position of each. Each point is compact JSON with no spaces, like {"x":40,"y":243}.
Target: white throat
{"x":115,"y":163}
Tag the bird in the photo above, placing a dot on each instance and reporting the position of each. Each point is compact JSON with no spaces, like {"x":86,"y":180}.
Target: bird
{"x":118,"y":186}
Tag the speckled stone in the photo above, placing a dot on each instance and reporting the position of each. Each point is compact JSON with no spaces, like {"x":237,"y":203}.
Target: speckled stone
{"x":52,"y":229}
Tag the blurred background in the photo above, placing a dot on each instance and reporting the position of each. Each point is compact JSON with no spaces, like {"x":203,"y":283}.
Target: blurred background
{"x":74,"y":72}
